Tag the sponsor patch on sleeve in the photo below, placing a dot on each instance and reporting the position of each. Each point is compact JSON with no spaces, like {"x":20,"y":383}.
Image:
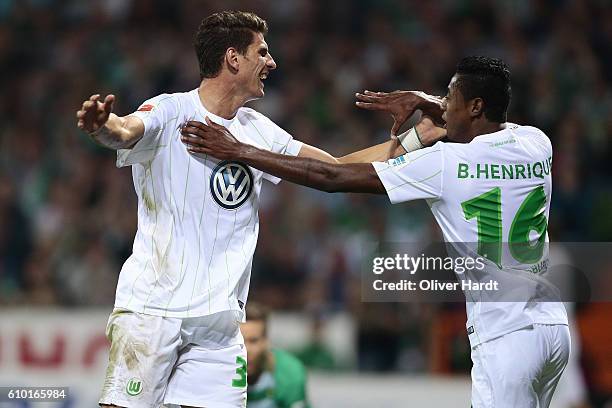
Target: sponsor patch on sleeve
{"x":398,"y":161}
{"x":146,"y":108}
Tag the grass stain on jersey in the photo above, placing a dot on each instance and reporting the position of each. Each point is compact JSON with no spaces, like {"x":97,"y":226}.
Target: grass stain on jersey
{"x":132,"y":352}
{"x":148,"y":201}
{"x":161,"y":255}
{"x":146,"y":197}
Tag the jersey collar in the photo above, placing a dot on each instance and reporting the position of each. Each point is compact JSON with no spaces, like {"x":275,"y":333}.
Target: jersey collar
{"x":509,"y":127}
{"x":217,"y":119}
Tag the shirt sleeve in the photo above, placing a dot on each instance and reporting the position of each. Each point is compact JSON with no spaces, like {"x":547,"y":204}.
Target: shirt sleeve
{"x":280,"y":142}
{"x":155,"y":114}
{"x":415,"y":175}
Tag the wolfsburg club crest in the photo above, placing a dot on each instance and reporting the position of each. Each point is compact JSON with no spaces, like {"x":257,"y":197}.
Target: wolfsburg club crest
{"x":134,"y":387}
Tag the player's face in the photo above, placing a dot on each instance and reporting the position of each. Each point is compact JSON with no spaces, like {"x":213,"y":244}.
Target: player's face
{"x":456,"y":113}
{"x":257,"y":346}
{"x":255,"y":66}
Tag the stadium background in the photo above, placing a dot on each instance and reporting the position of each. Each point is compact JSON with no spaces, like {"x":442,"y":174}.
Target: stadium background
{"x":68,"y":216}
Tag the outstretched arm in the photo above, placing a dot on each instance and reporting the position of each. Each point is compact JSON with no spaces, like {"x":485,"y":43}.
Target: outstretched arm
{"x":106,"y":128}
{"x":428,"y":132}
{"x":380,"y":152}
{"x":217,"y":141}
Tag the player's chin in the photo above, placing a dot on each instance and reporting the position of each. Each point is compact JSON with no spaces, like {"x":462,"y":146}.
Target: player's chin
{"x":260,"y":89}
{"x":256,"y":95}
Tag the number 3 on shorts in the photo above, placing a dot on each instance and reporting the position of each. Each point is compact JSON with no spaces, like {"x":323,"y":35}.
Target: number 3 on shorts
{"x":241,"y":381}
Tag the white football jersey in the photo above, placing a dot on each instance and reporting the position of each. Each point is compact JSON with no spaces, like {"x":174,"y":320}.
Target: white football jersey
{"x":197,"y":216}
{"x":491,"y":197}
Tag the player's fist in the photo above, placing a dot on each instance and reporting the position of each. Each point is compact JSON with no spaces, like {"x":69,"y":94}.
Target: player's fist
{"x":429,"y":131}
{"x":94,"y":113}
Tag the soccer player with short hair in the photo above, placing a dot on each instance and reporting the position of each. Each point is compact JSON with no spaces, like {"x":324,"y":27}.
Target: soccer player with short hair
{"x":276,"y":378}
{"x":174,"y":333}
{"x":491,"y":184}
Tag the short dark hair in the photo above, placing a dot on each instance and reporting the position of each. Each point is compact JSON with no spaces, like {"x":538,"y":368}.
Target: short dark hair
{"x":256,"y":312}
{"x":489,"y":79}
{"x":223,"y":30}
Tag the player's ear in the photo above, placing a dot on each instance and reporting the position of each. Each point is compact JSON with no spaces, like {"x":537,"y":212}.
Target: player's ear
{"x":231,"y":60}
{"x":476,"y":107}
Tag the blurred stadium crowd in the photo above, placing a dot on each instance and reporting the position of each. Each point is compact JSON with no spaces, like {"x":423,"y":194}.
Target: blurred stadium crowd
{"x":68,"y":216}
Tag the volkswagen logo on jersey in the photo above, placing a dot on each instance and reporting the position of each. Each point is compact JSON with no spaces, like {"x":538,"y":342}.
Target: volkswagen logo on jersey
{"x":231,"y":184}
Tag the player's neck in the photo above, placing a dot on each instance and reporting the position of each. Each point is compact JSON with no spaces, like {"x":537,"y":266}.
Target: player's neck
{"x":484,"y":127}
{"x":220,"y":98}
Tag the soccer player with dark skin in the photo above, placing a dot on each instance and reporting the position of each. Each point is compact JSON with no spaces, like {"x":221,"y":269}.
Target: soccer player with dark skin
{"x":491,"y":185}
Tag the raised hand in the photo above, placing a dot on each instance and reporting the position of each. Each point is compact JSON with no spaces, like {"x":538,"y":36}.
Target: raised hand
{"x":210,"y":138}
{"x":400,"y":104}
{"x":94,"y":114}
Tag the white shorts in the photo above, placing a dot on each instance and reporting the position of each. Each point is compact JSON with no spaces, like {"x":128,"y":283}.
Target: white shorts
{"x":521,"y":368}
{"x":154,"y":360}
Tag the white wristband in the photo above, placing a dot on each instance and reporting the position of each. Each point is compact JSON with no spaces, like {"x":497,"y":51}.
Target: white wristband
{"x":410,"y":140}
